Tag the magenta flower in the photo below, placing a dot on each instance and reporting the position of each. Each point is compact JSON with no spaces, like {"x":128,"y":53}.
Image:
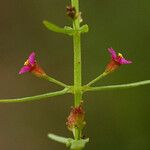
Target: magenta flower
{"x":116,"y":61}
{"x":31,"y":66}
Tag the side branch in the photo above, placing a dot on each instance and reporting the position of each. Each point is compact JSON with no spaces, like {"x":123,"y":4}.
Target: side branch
{"x":35,"y":98}
{"x":96,"y":79}
{"x":50,"y":79}
{"x":113,"y":87}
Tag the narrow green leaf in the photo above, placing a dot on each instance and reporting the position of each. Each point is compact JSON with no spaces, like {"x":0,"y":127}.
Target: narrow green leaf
{"x":84,"y":28}
{"x":69,"y":142}
{"x":60,"y":139}
{"x":55,"y":28}
{"x":78,"y":144}
{"x":69,"y":30}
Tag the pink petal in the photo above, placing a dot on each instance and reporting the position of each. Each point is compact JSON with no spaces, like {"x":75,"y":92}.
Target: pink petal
{"x":32,"y":58}
{"x":124,"y":61}
{"x":112,"y":52}
{"x":24,"y":69}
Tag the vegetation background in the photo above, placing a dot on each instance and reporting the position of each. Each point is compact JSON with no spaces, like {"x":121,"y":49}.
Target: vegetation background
{"x":115,"y":119}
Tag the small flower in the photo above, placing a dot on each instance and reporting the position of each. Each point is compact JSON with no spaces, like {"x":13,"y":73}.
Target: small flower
{"x":76,"y":118}
{"x":31,"y":65}
{"x":116,"y":61}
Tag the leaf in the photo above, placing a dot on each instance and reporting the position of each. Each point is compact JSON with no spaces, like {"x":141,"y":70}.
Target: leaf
{"x":60,"y":139}
{"x":84,"y":28}
{"x":78,"y":144}
{"x":55,"y":28}
{"x":69,"y":142}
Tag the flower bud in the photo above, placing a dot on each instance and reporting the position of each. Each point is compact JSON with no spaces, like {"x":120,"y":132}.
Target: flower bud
{"x":71,"y":11}
{"x":76,"y":118}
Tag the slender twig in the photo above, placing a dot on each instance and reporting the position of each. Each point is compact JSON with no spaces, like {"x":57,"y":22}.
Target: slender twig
{"x":55,"y":81}
{"x":35,"y":98}
{"x":97,"y":79}
{"x":114,"y":87}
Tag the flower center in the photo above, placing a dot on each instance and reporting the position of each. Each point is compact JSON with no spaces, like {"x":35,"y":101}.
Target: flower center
{"x":26,"y":63}
{"x":120,"y":55}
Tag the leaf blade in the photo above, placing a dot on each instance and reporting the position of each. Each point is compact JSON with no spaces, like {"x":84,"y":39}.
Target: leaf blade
{"x":58,"y":29}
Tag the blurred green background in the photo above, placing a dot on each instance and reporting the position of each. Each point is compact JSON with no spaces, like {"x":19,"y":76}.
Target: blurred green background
{"x":116,"y":120}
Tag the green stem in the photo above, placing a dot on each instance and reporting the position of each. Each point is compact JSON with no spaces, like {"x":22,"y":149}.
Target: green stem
{"x":35,"y":98}
{"x":55,"y":81}
{"x":77,"y":56}
{"x":77,"y":70}
{"x":76,"y":22}
{"x":114,"y":87}
{"x":77,"y":63}
{"x":96,"y":79}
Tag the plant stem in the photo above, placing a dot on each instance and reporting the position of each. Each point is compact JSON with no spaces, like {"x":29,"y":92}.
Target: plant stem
{"x":113,"y":87}
{"x":35,"y":98}
{"x":77,"y":69}
{"x":77,"y":63}
{"x":55,"y":81}
{"x":77,"y":56}
{"x":96,"y":79}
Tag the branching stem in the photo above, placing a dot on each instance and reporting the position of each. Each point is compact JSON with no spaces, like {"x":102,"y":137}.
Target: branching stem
{"x":114,"y":87}
{"x":50,"y":79}
{"x":77,"y":89}
{"x":97,"y":79}
{"x":35,"y":98}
